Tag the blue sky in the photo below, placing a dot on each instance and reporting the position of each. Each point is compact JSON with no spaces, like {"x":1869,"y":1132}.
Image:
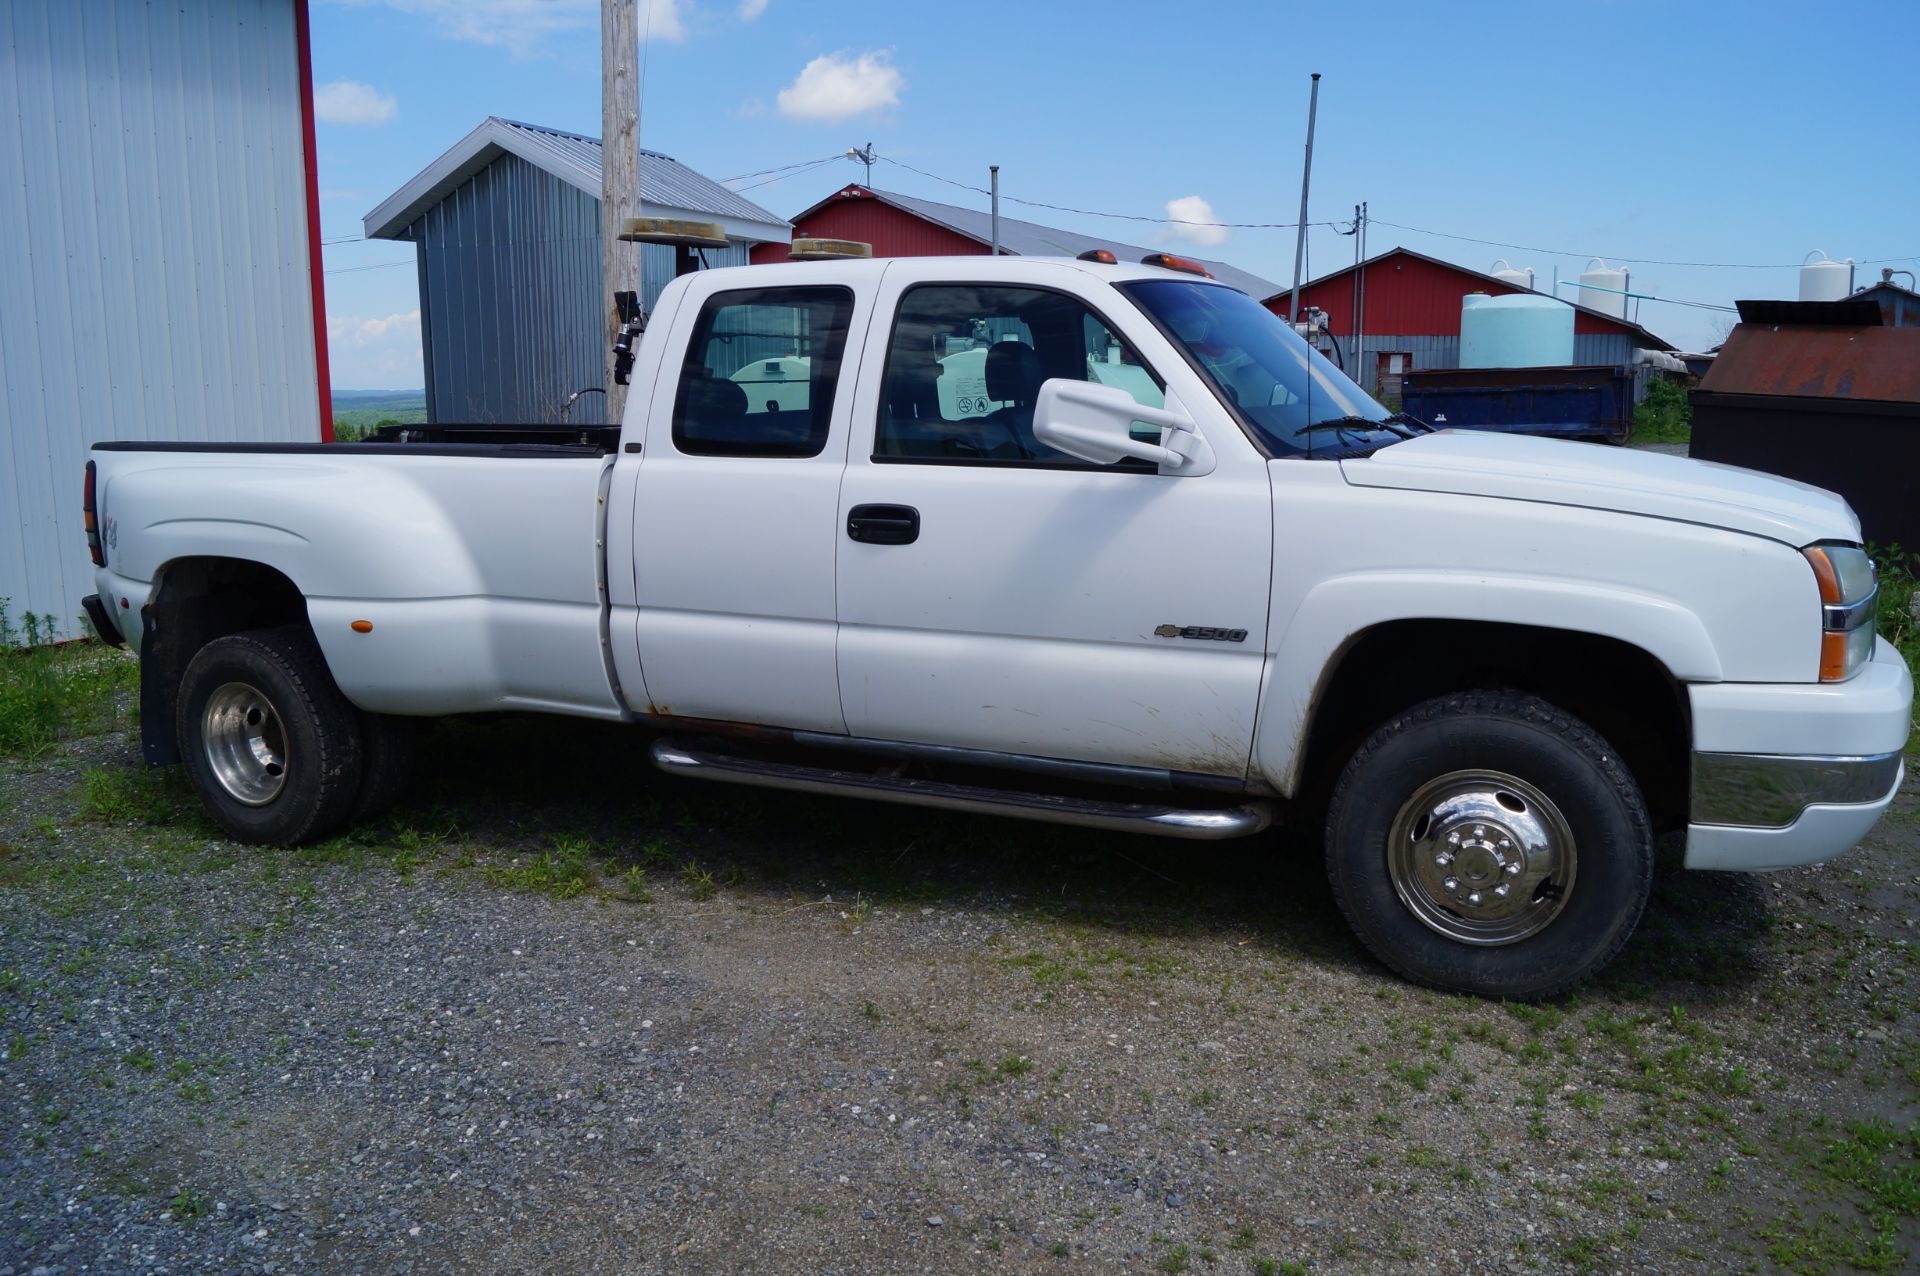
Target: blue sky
{"x":1727,"y":133}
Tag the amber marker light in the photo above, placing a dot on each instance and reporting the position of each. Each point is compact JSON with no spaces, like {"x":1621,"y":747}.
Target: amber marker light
{"x":1168,"y":261}
{"x":362,"y":626}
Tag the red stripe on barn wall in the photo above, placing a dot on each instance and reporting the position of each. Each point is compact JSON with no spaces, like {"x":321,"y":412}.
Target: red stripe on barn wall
{"x":316,"y":270}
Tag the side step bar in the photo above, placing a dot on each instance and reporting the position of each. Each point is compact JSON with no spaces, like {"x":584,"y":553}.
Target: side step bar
{"x":1202,"y":823}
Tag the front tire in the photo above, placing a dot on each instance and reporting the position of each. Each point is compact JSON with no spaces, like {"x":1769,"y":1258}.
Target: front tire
{"x":1490,"y":843}
{"x":271,"y":744}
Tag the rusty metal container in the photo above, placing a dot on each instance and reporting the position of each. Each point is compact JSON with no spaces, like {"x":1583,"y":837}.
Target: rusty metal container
{"x":1821,"y":393}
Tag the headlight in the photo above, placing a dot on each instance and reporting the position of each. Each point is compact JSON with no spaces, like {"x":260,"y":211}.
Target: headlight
{"x":1849,"y":597}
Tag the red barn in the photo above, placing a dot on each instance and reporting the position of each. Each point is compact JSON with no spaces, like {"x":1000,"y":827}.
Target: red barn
{"x":903,"y":226}
{"x":1412,"y":314}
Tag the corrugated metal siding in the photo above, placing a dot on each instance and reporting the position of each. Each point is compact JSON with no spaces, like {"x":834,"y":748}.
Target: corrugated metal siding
{"x":1591,"y":349}
{"x":1431,"y":352}
{"x":510,"y":296}
{"x":153,"y":253}
{"x":1427,"y":351}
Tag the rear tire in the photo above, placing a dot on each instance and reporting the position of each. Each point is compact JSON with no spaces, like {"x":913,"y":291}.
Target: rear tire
{"x":1490,"y":843}
{"x":271,"y":744}
{"x":387,"y":749}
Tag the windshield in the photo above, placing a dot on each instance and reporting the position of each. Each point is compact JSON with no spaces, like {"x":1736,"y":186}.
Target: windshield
{"x":1274,"y":381}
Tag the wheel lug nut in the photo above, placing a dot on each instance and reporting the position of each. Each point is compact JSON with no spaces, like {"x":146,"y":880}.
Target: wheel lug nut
{"x":1473,"y":898}
{"x":1513,"y":869}
{"x":1506,"y":843}
{"x":1443,"y":859}
{"x":1451,"y":884}
{"x":1479,"y":830}
{"x":1501,"y":890}
{"x":1453,"y":838}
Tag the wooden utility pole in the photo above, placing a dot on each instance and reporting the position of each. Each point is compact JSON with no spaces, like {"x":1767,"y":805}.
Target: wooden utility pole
{"x":619,"y":176}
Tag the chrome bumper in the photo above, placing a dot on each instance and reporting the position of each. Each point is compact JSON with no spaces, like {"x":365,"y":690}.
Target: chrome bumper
{"x":1763,"y":790}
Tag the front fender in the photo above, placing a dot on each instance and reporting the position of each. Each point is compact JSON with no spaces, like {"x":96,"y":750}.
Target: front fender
{"x":1336,"y":611}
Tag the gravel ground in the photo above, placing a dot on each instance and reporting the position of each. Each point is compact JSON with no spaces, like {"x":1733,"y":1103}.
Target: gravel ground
{"x":562,"y":1014}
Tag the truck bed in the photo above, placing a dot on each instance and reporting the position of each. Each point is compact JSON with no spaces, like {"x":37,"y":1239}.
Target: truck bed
{"x":476,"y":567}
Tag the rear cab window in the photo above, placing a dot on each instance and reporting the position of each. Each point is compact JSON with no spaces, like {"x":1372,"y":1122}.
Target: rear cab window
{"x":760,"y":372}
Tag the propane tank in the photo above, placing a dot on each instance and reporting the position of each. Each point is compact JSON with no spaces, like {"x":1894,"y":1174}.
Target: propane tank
{"x":1507,"y":274}
{"x":1825,"y":280}
{"x":1604,"y":289}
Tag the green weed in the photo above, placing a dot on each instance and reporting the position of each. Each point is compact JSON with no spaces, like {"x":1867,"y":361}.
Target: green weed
{"x":50,"y":693}
{"x":1665,"y":415}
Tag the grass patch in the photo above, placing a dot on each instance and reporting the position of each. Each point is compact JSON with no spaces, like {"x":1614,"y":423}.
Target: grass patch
{"x":51,"y":693}
{"x":1664,"y":416}
{"x":1899,"y":576}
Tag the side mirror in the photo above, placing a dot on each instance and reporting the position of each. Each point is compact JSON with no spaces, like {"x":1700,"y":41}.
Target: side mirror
{"x":1095,"y":423}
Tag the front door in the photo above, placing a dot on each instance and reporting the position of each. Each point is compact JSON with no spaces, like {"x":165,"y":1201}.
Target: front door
{"x":735,"y":506}
{"x":996,"y":594}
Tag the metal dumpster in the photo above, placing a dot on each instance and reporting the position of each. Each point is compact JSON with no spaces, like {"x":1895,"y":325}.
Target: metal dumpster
{"x":1570,"y":403}
{"x":1834,"y":404}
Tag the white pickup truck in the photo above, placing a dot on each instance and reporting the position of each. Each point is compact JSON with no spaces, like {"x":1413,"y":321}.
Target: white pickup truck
{"x":1155,"y":567}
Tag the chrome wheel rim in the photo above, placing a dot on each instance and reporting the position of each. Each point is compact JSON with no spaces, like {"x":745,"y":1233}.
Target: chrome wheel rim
{"x":245,"y":743}
{"x":1481,"y":857}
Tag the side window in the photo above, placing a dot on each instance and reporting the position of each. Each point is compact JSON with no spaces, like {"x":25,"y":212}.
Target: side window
{"x":760,"y":372}
{"x":965,"y":364}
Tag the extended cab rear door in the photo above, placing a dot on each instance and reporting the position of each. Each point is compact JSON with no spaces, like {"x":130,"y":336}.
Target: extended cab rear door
{"x":736,"y":497}
{"x":997,"y":595}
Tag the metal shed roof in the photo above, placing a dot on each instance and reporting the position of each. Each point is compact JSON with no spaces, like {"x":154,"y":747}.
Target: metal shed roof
{"x":1029,"y":239}
{"x":667,"y":187}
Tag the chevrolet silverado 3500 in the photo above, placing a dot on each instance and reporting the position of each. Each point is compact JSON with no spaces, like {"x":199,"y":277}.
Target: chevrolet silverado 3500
{"x":1060,"y":539}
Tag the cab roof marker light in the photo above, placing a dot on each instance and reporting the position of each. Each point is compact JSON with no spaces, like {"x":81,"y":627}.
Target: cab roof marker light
{"x":1168,"y":261}
{"x":828,"y":250}
{"x":1102,"y":255}
{"x":673,"y":230}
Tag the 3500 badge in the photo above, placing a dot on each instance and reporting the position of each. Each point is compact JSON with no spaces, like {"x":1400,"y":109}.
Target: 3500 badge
{"x":1205,"y":633}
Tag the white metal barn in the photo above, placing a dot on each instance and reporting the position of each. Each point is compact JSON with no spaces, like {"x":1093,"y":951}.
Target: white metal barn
{"x":159,"y":258}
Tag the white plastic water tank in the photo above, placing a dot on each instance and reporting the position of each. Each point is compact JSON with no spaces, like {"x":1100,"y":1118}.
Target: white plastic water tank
{"x":1604,"y":289}
{"x":1825,"y":280}
{"x":1525,"y":330}
{"x":1507,"y":274}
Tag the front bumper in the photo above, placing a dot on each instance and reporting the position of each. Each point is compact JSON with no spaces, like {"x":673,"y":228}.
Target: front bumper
{"x":1761,"y":799}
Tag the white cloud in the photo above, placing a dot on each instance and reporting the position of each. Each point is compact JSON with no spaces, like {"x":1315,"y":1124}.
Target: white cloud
{"x":751,"y":9}
{"x":375,"y":352}
{"x":523,"y":27}
{"x":349,"y":330}
{"x":351,"y":102}
{"x":838,"y":87}
{"x":1182,"y":213}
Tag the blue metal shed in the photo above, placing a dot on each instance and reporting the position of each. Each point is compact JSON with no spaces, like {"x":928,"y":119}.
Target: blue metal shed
{"x":506,"y":228}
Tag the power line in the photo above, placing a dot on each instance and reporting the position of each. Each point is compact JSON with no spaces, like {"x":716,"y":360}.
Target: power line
{"x":798,"y":169}
{"x":784,"y":168}
{"x":379,"y":265}
{"x":1093,"y":212}
{"x":1635,"y":261}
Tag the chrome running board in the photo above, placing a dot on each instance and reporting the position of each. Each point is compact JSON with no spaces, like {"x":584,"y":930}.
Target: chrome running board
{"x":1158,"y":819}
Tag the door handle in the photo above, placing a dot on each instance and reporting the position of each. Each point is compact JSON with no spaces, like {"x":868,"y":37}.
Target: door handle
{"x":884,"y":524}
